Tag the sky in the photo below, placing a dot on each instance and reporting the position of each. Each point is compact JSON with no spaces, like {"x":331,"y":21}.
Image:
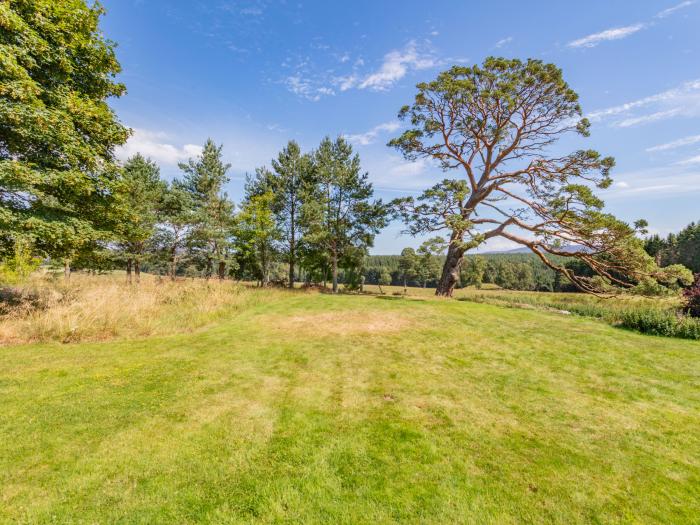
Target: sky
{"x":254,"y":74}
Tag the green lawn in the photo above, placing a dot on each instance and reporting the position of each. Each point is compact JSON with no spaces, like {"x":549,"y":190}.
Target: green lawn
{"x":310,"y":408}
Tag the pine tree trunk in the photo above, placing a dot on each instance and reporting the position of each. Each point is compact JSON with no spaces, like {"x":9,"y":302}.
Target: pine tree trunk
{"x":222,"y":270}
{"x":292,"y":251}
{"x":404,"y":284}
{"x":335,"y":272}
{"x":173,"y":267}
{"x":66,"y":269}
{"x":450,"y":271}
{"x":137,"y":270}
{"x":128,"y":270}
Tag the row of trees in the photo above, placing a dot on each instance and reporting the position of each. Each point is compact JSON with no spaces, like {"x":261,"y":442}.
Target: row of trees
{"x":509,"y":271}
{"x":313,"y":211}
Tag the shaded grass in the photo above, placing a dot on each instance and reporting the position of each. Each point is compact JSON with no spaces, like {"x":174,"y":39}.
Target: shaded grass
{"x":473,"y":414}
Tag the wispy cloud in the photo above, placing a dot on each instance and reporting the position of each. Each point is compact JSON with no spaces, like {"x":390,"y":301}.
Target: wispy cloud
{"x":676,"y":179}
{"x":311,"y":81}
{"x":691,"y":160}
{"x":307,"y":88}
{"x":646,"y":119}
{"x":504,"y":41}
{"x":681,"y":101}
{"x":618,"y":33}
{"x":395,"y":66}
{"x":685,"y":141}
{"x":671,"y":10}
{"x":368,"y":137}
{"x":153,"y":144}
{"x":615,"y":33}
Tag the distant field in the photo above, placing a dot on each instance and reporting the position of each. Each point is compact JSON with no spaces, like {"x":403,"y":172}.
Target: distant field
{"x":300,"y":407}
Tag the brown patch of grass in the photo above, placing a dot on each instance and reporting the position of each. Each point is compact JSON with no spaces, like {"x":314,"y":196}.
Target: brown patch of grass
{"x":343,"y":323}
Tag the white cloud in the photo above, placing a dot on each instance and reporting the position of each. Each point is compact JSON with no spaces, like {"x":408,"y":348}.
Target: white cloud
{"x":152,"y":144}
{"x":615,"y":33}
{"x":307,"y":88}
{"x":657,"y":183}
{"x":363,"y":139}
{"x":671,"y":10}
{"x":681,"y":101}
{"x":409,"y":169}
{"x":395,"y":66}
{"x":504,"y":41}
{"x":645,"y":119}
{"x":691,"y":160}
{"x":686,"y":141}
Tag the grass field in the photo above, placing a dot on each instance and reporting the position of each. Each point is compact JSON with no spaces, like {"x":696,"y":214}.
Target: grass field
{"x":312,"y":408}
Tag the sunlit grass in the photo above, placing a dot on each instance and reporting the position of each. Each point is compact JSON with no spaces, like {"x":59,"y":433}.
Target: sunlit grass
{"x":102,"y":307}
{"x":312,"y":408}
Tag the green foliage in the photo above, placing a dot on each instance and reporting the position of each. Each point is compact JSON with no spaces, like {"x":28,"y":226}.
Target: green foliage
{"x":17,"y":267}
{"x":210,"y":234}
{"x":138,"y":201}
{"x":658,"y":322}
{"x":257,"y":233}
{"x":384,"y":279}
{"x":678,"y":248}
{"x":339,"y":215}
{"x":494,"y":123}
{"x":57,"y":132}
{"x":408,"y":265}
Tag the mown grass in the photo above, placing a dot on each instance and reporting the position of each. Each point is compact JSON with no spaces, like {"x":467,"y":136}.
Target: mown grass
{"x":311,"y":408}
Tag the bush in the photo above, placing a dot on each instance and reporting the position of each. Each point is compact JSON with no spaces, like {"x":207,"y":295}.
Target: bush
{"x":17,"y":268}
{"x":692,"y":298}
{"x":660,"y":322}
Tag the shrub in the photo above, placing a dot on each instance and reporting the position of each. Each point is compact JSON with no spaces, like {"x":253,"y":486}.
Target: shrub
{"x":660,"y":322}
{"x":692,"y":298}
{"x":17,"y":268}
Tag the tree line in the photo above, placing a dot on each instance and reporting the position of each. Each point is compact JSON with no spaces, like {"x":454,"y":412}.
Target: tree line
{"x":310,"y":216}
{"x":516,"y":271}
{"x":677,"y":248}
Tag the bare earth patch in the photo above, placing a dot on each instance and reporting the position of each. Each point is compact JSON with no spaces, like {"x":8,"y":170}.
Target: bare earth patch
{"x":345,"y":323}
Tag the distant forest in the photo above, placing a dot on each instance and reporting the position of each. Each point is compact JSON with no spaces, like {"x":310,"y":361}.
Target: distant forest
{"x":523,"y":271}
{"x":513,"y":271}
{"x":677,"y":248}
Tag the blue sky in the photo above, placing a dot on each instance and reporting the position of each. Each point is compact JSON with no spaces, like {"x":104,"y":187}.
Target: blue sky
{"x":254,"y":74}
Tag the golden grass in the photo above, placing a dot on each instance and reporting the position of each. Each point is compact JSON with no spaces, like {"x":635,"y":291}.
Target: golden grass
{"x":344,"y":323}
{"x":97,"y":308}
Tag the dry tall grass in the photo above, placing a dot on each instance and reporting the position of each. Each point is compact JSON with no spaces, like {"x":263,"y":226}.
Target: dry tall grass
{"x":96,"y":308}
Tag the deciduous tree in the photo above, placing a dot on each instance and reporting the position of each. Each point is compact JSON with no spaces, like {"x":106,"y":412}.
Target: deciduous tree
{"x":57,"y":132}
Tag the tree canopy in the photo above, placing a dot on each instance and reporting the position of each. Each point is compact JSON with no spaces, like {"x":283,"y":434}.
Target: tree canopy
{"x":495,"y":123}
{"x":57,"y":132}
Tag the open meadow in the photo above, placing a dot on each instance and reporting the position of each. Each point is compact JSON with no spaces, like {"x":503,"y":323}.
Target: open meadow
{"x":322,"y":262}
{"x":270,"y":406}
